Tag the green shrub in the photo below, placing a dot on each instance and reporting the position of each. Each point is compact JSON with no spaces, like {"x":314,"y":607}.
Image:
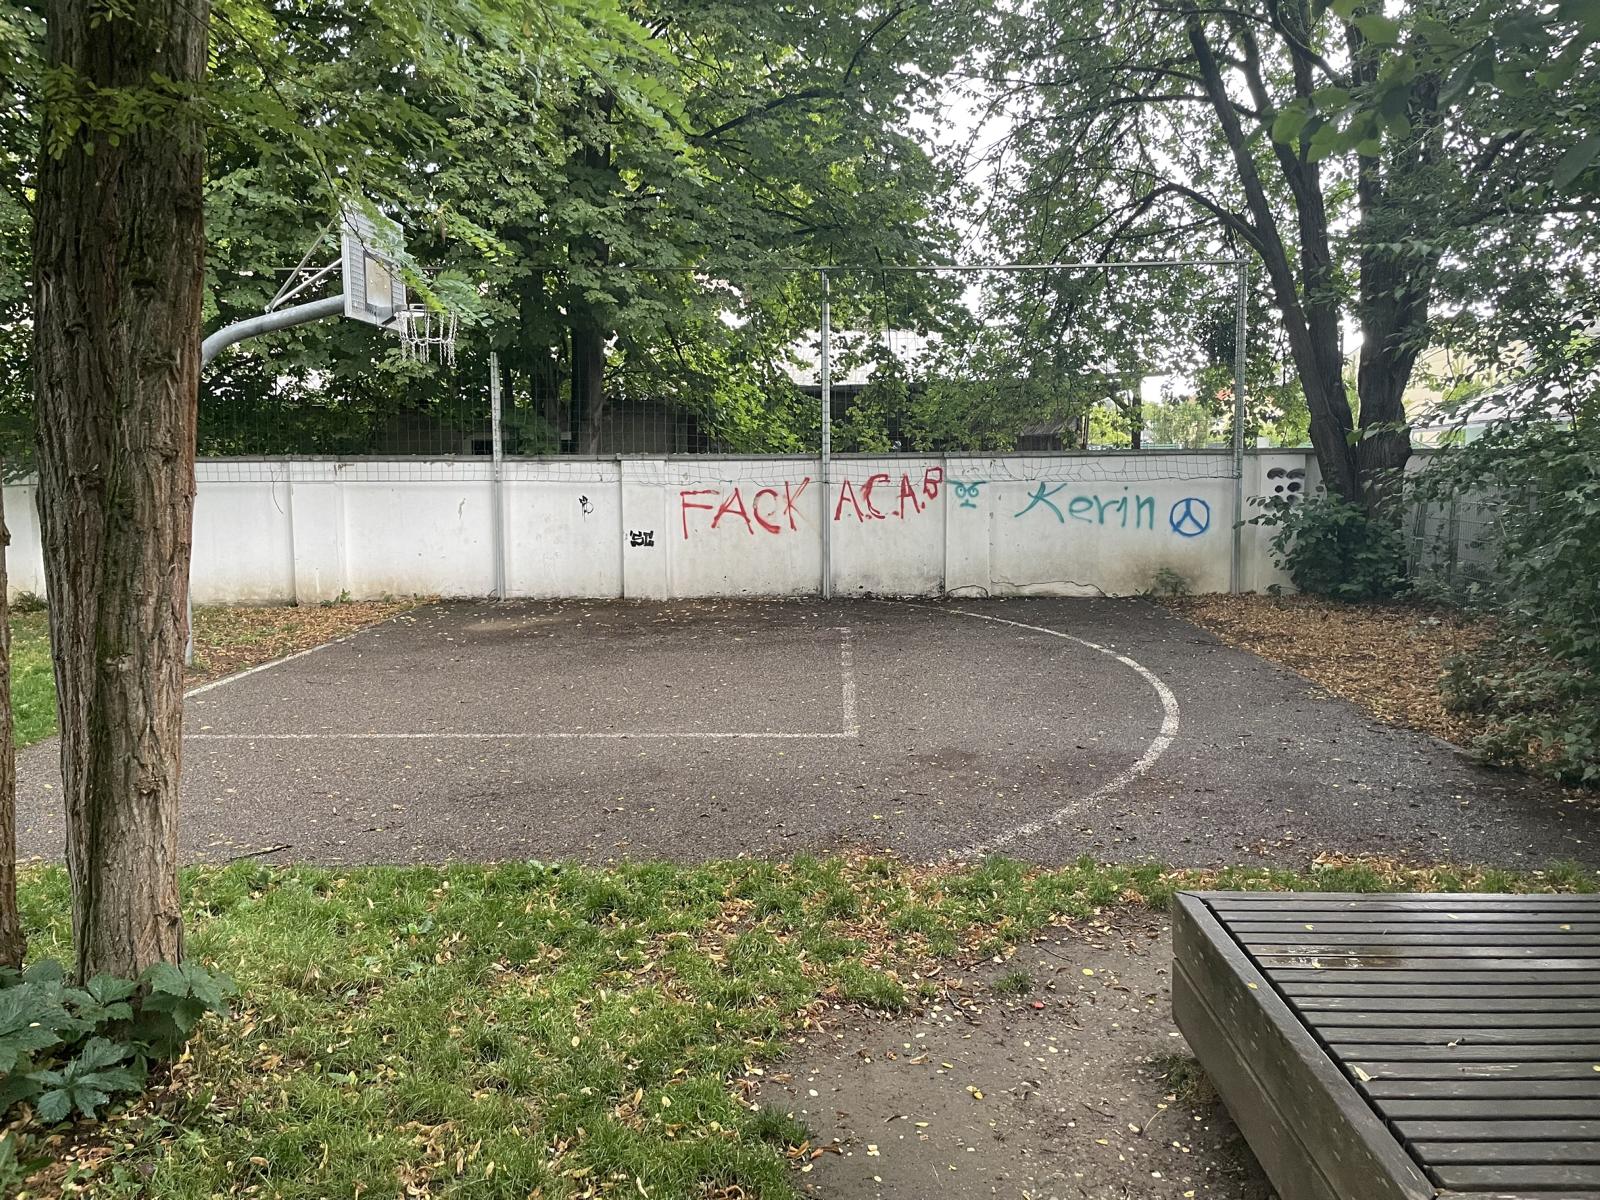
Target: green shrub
{"x":1545,"y":709}
{"x":1332,"y":548}
{"x":1535,"y":465}
{"x":67,"y":1050}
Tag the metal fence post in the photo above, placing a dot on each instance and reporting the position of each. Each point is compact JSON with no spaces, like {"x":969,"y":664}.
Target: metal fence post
{"x":496,"y":473}
{"x":1240,"y":331}
{"x":825,"y":376}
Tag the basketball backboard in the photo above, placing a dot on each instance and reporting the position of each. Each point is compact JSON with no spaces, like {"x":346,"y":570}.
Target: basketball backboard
{"x":371,"y":246}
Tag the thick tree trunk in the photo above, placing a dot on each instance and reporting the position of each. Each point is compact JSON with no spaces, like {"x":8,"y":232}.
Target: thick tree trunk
{"x":119,"y":255}
{"x":12,"y":943}
{"x":588,"y":385}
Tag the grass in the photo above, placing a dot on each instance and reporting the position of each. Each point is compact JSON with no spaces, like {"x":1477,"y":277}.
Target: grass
{"x":1187,"y":1080}
{"x":532,"y":1030}
{"x":1013,"y":983}
{"x":33,"y":681}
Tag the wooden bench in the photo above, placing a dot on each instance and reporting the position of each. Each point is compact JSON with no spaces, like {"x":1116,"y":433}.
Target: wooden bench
{"x":1372,"y":1047}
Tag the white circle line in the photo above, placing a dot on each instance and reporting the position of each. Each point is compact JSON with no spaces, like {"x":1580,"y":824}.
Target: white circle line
{"x":1156,"y":748}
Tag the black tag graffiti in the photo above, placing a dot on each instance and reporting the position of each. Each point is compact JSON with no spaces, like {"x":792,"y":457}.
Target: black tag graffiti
{"x":641,"y":537}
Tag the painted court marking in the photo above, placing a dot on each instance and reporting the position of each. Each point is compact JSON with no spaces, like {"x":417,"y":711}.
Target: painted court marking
{"x":1156,"y":748}
{"x":847,"y":706}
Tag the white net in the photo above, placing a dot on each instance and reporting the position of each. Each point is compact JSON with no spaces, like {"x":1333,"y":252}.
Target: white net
{"x":426,"y":335}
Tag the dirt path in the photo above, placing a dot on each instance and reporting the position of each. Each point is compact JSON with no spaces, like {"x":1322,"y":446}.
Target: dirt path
{"x":1064,"y":1091}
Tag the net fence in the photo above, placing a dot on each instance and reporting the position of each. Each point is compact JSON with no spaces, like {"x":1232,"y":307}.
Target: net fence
{"x":1107,"y":373}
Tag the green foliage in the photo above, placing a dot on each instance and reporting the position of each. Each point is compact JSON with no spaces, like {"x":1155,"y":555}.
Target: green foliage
{"x":1013,"y":983}
{"x":67,"y":1050}
{"x":565,"y":1023}
{"x":1539,"y":679}
{"x":1190,"y":424}
{"x":33,"y":680}
{"x":1169,"y":582}
{"x":1332,"y":548}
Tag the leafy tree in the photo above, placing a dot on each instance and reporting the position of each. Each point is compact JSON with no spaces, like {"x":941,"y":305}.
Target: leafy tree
{"x":118,"y":287}
{"x":1349,"y":151}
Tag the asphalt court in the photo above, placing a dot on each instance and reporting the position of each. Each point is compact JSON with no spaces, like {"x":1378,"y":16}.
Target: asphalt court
{"x":1044,"y":728}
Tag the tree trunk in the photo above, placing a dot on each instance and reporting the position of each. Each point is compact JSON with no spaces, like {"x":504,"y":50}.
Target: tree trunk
{"x":119,"y":256}
{"x":588,"y":385}
{"x":13,"y":946}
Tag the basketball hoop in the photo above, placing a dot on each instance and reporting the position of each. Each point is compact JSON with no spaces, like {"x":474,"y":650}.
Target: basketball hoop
{"x":422,"y":331}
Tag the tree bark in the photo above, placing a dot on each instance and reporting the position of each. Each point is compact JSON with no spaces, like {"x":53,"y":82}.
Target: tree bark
{"x":13,"y":945}
{"x":1309,"y":305}
{"x":588,"y":384}
{"x":119,"y":256}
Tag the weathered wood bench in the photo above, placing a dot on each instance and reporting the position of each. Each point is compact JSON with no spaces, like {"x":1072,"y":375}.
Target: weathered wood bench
{"x":1372,"y":1047}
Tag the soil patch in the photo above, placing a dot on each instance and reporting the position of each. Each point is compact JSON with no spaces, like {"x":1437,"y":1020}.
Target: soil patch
{"x":232,"y":638}
{"x":1053,"y":1072}
{"x":1388,"y":658}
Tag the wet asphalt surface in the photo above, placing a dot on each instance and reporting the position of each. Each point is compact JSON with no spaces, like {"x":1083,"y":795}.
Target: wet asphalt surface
{"x":692,"y":730}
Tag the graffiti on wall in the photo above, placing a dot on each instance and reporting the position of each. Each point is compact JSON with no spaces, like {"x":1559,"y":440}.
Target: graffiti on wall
{"x":864,"y":503}
{"x":766,"y":509}
{"x":883,"y":497}
{"x":967,"y":490}
{"x":1189,"y":517}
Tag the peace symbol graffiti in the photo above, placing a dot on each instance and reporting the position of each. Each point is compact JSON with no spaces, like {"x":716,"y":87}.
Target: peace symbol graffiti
{"x":1190,"y":517}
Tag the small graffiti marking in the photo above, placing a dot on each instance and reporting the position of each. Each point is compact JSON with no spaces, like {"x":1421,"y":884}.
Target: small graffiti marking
{"x":1190,"y":517}
{"x":583,"y":503}
{"x":967,"y":491}
{"x":641,"y":537}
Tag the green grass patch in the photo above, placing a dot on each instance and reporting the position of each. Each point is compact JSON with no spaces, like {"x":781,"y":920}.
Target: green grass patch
{"x":33,"y":681}
{"x":559,"y":1031}
{"x":1013,"y":983}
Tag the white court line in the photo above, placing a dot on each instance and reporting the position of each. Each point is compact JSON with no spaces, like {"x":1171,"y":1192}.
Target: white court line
{"x":266,"y":666}
{"x":847,"y":680}
{"x":847,"y":699}
{"x":1157,"y":747}
{"x":494,"y":737}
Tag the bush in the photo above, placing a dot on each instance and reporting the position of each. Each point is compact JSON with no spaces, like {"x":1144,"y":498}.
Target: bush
{"x":1539,"y":679}
{"x":1546,"y":710}
{"x":1535,"y":464}
{"x":1332,"y":548}
{"x":68,"y":1050}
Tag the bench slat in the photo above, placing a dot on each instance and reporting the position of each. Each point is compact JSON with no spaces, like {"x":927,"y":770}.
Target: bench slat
{"x":1498,"y":1130}
{"x":1541,"y":1108}
{"x":1383,"y":1068}
{"x":1513,"y":1179}
{"x":1469,"y":1023}
{"x":1318,"y":1007}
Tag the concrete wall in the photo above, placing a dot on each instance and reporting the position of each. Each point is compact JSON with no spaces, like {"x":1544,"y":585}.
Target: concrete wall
{"x":305,"y":530}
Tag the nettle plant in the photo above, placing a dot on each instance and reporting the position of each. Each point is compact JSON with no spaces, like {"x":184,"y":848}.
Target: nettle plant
{"x":68,"y":1050}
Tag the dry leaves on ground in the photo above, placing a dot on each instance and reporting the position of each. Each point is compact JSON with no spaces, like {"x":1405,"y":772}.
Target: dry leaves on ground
{"x":229,"y":639}
{"x":1388,"y":658}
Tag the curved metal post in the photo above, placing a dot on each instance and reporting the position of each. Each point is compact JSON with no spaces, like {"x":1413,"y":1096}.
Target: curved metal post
{"x":284,"y":318}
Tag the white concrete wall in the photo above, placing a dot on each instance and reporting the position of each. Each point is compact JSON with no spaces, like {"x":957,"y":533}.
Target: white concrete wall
{"x":312,"y":529}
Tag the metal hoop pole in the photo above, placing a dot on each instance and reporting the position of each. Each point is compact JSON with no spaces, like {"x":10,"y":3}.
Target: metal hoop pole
{"x":497,"y":466}
{"x":825,"y":376}
{"x":1241,"y":319}
{"x":214,"y":345}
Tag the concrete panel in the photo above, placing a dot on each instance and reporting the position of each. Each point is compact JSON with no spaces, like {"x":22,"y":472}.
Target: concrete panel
{"x":562,"y":534}
{"x":230,"y":566}
{"x":744,"y":528}
{"x":427,"y":538}
{"x":25,"y":556}
{"x":888,"y":527}
{"x":1115,"y":539}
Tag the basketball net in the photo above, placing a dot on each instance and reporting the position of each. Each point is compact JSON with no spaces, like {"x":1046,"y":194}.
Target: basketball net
{"x":422,"y":331}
